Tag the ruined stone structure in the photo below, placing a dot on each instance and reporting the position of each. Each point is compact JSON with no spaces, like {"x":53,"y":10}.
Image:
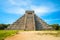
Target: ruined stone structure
{"x":29,"y":21}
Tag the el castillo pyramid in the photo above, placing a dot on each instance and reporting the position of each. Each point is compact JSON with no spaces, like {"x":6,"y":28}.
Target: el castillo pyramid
{"x":29,"y":21}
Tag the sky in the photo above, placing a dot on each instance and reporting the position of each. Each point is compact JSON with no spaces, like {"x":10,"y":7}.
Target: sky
{"x":47,"y":10}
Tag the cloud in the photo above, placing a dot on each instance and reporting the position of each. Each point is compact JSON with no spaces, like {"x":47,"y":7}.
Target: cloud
{"x":19,"y":7}
{"x":42,"y":9}
{"x":20,"y":2}
{"x":15,"y":10}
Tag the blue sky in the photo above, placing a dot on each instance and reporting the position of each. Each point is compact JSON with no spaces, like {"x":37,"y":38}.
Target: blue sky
{"x":48,"y":10}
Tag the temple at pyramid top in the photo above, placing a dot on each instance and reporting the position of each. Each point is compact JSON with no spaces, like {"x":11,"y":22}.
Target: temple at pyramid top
{"x":29,"y":11}
{"x":29,"y":21}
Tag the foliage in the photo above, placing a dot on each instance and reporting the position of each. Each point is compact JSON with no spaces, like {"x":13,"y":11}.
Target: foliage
{"x":5,"y":33}
{"x":56,"y":26}
{"x":3,"y":26}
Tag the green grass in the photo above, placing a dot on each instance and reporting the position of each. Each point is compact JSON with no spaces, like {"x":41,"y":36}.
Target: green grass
{"x":6,"y":33}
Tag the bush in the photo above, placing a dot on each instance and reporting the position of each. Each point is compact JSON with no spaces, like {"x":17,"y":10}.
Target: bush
{"x":56,"y":26}
{"x":3,"y":26}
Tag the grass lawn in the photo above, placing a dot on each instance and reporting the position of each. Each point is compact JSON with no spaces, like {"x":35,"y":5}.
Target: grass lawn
{"x":5,"y":33}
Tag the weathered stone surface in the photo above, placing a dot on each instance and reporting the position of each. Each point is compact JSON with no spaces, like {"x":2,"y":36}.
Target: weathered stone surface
{"x":29,"y":21}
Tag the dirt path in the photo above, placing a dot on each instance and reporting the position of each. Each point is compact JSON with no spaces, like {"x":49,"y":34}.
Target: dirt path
{"x":31,"y":36}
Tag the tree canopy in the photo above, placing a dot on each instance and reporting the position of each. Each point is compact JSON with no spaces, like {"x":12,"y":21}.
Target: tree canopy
{"x":3,"y":26}
{"x":56,"y":26}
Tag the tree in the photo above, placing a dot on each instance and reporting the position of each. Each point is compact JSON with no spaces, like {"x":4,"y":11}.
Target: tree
{"x":56,"y":26}
{"x":3,"y":26}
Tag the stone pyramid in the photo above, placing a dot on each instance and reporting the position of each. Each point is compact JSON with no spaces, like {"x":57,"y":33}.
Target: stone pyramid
{"x":29,"y":21}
